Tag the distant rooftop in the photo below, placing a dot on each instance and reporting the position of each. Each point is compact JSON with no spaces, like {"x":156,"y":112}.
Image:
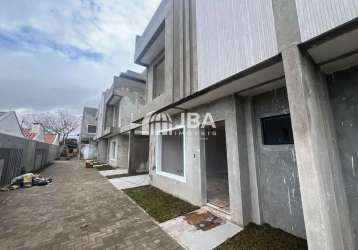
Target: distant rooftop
{"x":50,"y":138}
{"x":27,"y":132}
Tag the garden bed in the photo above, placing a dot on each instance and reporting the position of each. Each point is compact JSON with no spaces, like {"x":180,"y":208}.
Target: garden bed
{"x":263,"y":237}
{"x":158,"y":204}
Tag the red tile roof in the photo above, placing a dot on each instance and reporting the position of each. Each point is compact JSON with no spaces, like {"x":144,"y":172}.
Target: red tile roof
{"x":28,"y":134}
{"x":49,"y":138}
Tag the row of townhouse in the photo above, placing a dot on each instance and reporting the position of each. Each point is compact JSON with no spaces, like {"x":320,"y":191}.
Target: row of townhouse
{"x":115,"y":113}
{"x":274,"y":86}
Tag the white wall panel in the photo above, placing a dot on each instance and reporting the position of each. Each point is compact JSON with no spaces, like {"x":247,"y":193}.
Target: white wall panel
{"x":318,"y":16}
{"x":232,"y":35}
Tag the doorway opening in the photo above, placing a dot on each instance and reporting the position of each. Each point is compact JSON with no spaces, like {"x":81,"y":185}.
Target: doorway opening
{"x":217,"y":183}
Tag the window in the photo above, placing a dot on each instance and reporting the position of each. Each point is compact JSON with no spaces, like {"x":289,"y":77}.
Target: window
{"x":91,"y":129}
{"x":170,"y":154}
{"x":115,"y":116}
{"x":159,"y":78}
{"x":113,"y":150}
{"x":277,"y":130}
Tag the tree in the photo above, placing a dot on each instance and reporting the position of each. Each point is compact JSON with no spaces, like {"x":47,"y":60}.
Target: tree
{"x":60,"y":122}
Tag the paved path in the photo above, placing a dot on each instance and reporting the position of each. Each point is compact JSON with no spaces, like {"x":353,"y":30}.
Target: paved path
{"x":80,"y":210}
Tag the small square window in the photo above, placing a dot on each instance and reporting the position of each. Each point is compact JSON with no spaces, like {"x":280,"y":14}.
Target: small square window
{"x":91,"y":129}
{"x":277,"y":130}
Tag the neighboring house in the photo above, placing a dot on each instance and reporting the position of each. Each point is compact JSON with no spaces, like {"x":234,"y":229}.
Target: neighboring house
{"x":118,"y":103}
{"x":9,"y":124}
{"x":88,"y":149}
{"x":256,"y":67}
{"x":35,"y":133}
{"x":24,"y":149}
{"x":51,"y":138}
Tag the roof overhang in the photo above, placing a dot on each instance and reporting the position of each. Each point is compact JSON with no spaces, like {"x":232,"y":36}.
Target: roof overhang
{"x":152,"y":41}
{"x":336,"y":49}
{"x":257,"y":79}
{"x":113,"y":99}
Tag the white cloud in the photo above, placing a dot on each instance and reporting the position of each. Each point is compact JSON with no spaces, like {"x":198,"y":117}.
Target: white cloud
{"x":44,"y":77}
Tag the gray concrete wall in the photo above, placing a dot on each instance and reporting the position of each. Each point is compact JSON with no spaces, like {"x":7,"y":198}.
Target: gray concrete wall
{"x":121,"y":159}
{"x":179,"y":52}
{"x":101,"y":117}
{"x":24,"y":155}
{"x":188,"y":188}
{"x":167,"y":97}
{"x":193,"y":187}
{"x":343,"y":91}
{"x":88,"y":118}
{"x":279,"y":187}
{"x":323,"y":194}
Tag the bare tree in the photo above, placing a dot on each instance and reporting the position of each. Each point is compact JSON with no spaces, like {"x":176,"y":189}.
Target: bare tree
{"x":60,"y":122}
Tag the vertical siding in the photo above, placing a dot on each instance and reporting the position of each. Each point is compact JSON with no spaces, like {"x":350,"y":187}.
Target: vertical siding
{"x":232,"y":35}
{"x":317,"y":16}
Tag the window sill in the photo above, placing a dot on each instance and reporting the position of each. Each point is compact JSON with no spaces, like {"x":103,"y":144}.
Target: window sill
{"x":172,"y":176}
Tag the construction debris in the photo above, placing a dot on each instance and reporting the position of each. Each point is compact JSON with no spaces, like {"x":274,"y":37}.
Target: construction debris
{"x":99,"y":166}
{"x":203,"y":220}
{"x":26,"y":181}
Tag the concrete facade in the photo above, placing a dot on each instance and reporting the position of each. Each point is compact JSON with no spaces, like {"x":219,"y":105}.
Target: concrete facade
{"x":305,"y":187}
{"x":342,"y":87}
{"x":278,"y":178}
{"x":247,"y":63}
{"x":115,"y":113}
{"x":88,"y":149}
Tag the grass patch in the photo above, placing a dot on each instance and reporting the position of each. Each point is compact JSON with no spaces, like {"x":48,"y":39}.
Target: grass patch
{"x":263,"y":237}
{"x":122,"y":175}
{"x":161,"y":206}
{"x":116,"y":176}
{"x":104,"y":168}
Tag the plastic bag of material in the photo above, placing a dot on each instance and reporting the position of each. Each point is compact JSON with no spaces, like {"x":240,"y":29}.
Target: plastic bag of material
{"x":19,"y":180}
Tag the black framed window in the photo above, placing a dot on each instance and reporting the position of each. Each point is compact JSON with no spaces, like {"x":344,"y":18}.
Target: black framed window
{"x":277,"y":130}
{"x":91,"y":129}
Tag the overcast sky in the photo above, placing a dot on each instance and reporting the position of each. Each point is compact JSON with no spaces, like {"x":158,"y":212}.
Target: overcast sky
{"x":63,"y":54}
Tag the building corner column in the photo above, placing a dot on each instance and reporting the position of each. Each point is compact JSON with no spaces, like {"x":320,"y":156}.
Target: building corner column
{"x":324,"y":200}
{"x":238,"y":166}
{"x":323,"y":194}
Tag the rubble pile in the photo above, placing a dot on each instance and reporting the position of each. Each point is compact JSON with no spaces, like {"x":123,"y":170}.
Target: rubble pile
{"x":26,"y":181}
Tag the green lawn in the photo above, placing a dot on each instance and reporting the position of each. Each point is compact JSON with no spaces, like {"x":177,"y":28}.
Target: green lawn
{"x":161,"y":206}
{"x":104,"y":167}
{"x":121,"y":175}
{"x":263,"y":237}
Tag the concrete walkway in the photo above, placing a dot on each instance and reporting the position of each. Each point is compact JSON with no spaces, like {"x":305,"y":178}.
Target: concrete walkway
{"x":80,"y":210}
{"x":130,"y":181}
